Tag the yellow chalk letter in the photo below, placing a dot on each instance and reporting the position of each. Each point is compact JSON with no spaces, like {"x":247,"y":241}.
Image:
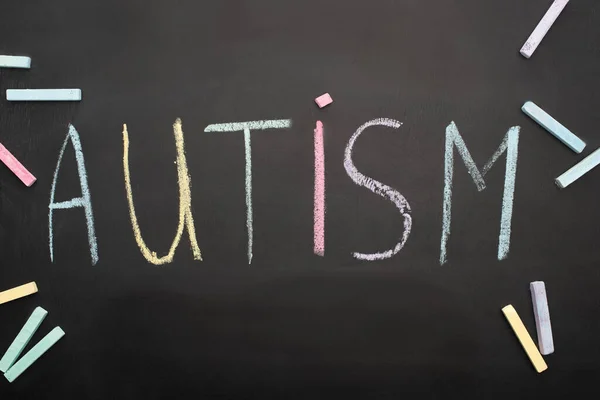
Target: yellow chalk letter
{"x":185,"y":201}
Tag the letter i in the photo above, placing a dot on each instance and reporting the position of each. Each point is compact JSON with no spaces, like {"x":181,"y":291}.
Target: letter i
{"x":319,"y":193}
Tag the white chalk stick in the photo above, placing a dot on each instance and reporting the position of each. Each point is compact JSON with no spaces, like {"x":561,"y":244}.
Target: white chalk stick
{"x":543,"y":27}
{"x":23,"y":338}
{"x":554,"y":127}
{"x":526,"y":341}
{"x":43,"y":94}
{"x":15,"y":62}
{"x":542,"y":317}
{"x":578,"y":170}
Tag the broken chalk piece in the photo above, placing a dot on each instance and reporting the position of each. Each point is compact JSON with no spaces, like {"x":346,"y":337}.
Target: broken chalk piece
{"x":23,"y":338}
{"x":553,"y":126}
{"x":43,"y":94}
{"x":578,"y":170}
{"x":543,"y":27}
{"x":517,"y":325}
{"x":323,"y":100}
{"x":15,"y":62}
{"x":16,"y":167}
{"x":34,"y":354}
{"x":18,"y":292}
{"x":542,"y":317}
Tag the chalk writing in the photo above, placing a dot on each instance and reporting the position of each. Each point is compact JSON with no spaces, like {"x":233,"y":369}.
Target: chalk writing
{"x":247,"y":127}
{"x":85,"y":201}
{"x":319,"y":192}
{"x":379,"y":189}
{"x":510,"y":145}
{"x":453,"y":139}
{"x":186,"y":219}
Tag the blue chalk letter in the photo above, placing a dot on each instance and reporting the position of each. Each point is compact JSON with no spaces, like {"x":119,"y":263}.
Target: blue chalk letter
{"x":84,"y":201}
{"x":510,"y":145}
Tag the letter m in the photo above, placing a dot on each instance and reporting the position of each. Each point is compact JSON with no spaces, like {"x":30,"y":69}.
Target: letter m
{"x":510,"y":145}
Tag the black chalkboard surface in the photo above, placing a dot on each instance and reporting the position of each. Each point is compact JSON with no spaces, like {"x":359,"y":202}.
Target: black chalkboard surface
{"x":293,"y":324}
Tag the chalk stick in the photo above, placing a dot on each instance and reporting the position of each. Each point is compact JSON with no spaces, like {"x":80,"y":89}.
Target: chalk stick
{"x":578,"y":170}
{"x":43,"y":94}
{"x":15,"y":62}
{"x":18,"y":292}
{"x":553,"y":126}
{"x":16,"y":167}
{"x":543,"y":27}
{"x":34,"y":354}
{"x":23,"y":338}
{"x":517,"y":325}
{"x":542,"y":317}
{"x":323,"y":100}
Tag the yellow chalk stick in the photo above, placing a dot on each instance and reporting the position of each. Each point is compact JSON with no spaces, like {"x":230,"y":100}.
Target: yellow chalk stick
{"x":530,"y":348}
{"x":18,"y":292}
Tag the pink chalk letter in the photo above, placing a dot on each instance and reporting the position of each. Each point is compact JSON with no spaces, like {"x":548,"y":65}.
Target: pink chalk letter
{"x":319,"y":199}
{"x":323,"y":100}
{"x":16,"y":167}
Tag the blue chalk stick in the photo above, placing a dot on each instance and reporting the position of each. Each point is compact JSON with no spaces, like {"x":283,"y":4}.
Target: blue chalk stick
{"x":43,"y":94}
{"x":578,"y":170}
{"x":24,"y":336}
{"x":554,"y":127}
{"x":15,"y":62}
{"x":32,"y":355}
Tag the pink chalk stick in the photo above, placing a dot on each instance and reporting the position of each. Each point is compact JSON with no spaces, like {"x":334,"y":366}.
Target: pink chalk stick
{"x":16,"y":167}
{"x":323,"y":100}
{"x":319,"y":195}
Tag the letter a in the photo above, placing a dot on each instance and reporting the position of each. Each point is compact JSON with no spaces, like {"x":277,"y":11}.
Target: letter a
{"x":185,"y":201}
{"x":84,"y":201}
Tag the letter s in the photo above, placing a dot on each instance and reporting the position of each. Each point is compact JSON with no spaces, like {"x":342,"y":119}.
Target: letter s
{"x":379,"y":189}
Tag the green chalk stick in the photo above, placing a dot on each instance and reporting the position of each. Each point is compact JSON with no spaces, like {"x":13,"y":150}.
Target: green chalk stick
{"x":24,"y":336}
{"x":32,"y":355}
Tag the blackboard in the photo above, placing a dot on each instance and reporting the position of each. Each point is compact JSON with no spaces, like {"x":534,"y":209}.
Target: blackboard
{"x":292,"y":324}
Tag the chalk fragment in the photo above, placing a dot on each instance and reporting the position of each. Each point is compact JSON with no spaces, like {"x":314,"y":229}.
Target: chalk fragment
{"x":34,"y":354}
{"x":18,"y":292}
{"x":323,"y":100}
{"x":23,"y":338}
{"x":15,"y":62}
{"x":578,"y":170}
{"x":553,"y":126}
{"x":517,"y":325}
{"x":542,"y":317}
{"x":16,"y":167}
{"x":543,"y":27}
{"x":43,"y":94}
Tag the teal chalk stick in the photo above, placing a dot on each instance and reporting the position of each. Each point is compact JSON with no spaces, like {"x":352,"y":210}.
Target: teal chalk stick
{"x":554,"y":127}
{"x":23,"y":338}
{"x":34,"y":354}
